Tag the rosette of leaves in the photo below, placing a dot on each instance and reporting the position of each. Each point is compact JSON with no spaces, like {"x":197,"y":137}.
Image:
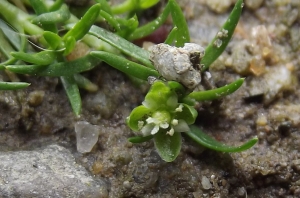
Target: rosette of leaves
{"x":161,"y":116}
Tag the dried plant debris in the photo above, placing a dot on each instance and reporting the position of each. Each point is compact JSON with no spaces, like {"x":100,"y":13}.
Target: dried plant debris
{"x":180,"y":64}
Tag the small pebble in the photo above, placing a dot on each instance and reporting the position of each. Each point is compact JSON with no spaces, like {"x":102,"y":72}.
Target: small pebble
{"x":206,"y":183}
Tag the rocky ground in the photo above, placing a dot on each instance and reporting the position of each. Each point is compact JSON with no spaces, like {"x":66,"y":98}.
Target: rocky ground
{"x":39,"y":152}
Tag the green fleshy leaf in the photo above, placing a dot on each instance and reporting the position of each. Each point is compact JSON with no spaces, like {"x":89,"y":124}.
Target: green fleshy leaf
{"x":160,"y":96}
{"x":128,"y":26}
{"x":38,"y":6}
{"x":140,"y":139}
{"x":85,"y":83}
{"x":41,"y":58}
{"x":137,"y":114}
{"x":57,"y":4}
{"x":124,"y":65}
{"x":221,"y":40}
{"x":41,"y":9}
{"x":126,"y":6}
{"x":25,"y":69}
{"x":52,"y":39}
{"x":70,"y":43}
{"x":54,"y":17}
{"x":105,"y":6}
{"x":82,"y":27}
{"x":168,"y":147}
{"x":215,"y":93}
{"x":145,"y":4}
{"x":57,"y":69}
{"x":150,"y":27}
{"x":73,"y":94}
{"x":179,"y":34}
{"x":177,"y":88}
{"x":10,"y":35}
{"x":5,"y":49}
{"x":110,"y":20}
{"x":171,"y":36}
{"x":13,"y":85}
{"x":205,"y":140}
{"x":183,"y":35}
{"x":123,"y":45}
{"x":188,"y":114}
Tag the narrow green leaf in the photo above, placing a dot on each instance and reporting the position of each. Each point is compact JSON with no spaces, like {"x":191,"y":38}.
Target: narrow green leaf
{"x":110,"y":20}
{"x":19,"y":19}
{"x":57,"y":69}
{"x":70,"y":43}
{"x":215,"y":93}
{"x":41,"y":9}
{"x":221,"y":40}
{"x":140,"y":139}
{"x":83,"y":26}
{"x":57,"y":4}
{"x":41,"y":58}
{"x":13,"y":85}
{"x":150,"y":27}
{"x":58,"y":16}
{"x":171,"y":36}
{"x":123,"y":45}
{"x":128,"y":26}
{"x":25,"y":69}
{"x":125,"y":66}
{"x":38,"y":6}
{"x":85,"y":83}
{"x":183,"y":35}
{"x":105,"y":6}
{"x":205,"y":140}
{"x":10,"y":34}
{"x":168,"y":147}
{"x":5,"y":47}
{"x":145,"y":4}
{"x":73,"y":94}
{"x":126,"y":6}
{"x":52,"y":39}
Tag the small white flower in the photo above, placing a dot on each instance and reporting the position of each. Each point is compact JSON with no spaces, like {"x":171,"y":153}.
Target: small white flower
{"x":159,"y":119}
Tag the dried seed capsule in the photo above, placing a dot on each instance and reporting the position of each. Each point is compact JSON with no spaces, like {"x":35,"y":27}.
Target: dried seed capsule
{"x":178,"y":64}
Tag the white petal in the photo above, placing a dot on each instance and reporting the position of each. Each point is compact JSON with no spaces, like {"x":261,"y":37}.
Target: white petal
{"x":151,"y":120}
{"x":171,"y":132}
{"x":179,"y":108}
{"x":155,"y":130}
{"x":181,"y":127}
{"x":174,"y":122}
{"x":164,"y":125}
{"x":146,"y":130}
